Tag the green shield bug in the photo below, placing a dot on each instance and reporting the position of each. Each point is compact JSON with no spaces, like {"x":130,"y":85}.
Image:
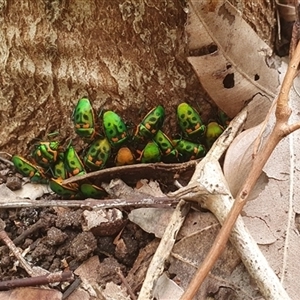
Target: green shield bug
{"x":89,"y":190}
{"x":66,"y":191}
{"x":97,"y":154}
{"x":151,"y":123}
{"x":169,"y":153}
{"x":189,"y":150}
{"x":150,"y":154}
{"x":213,"y":131}
{"x":114,"y":128}
{"x":45,"y":153}
{"x":27,"y":169}
{"x":73,"y":163}
{"x":190,"y":122}
{"x":83,"y":119}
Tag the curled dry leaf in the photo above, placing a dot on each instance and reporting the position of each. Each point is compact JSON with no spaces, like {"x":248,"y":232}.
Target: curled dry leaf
{"x":238,"y":162}
{"x":272,"y":217}
{"x":230,"y":59}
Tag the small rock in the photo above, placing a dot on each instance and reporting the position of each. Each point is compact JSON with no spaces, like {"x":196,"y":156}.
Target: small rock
{"x":83,"y":246}
{"x":55,"y":236}
{"x":14,"y":183}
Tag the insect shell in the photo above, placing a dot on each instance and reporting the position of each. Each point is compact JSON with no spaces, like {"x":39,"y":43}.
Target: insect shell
{"x":45,"y":153}
{"x":189,"y":150}
{"x":73,"y":163}
{"x":190,"y":122}
{"x":124,"y":157}
{"x":169,"y":153}
{"x":66,"y":191}
{"x":27,"y":169}
{"x":83,"y":119}
{"x":223,"y":119}
{"x":151,"y":123}
{"x":59,"y":170}
{"x":97,"y":154}
{"x":114,"y":128}
{"x":213,"y":131}
{"x":150,"y":154}
{"x":89,"y":190}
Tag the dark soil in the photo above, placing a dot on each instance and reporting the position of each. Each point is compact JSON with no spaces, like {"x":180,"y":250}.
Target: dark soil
{"x":54,"y":240}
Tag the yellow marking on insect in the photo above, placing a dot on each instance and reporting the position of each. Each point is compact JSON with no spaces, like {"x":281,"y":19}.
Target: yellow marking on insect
{"x":31,"y":173}
{"x":98,"y":163}
{"x":75,"y":172}
{"x":197,"y":126}
{"x":148,"y":126}
{"x":114,"y":139}
{"x":168,"y":150}
{"x":38,"y":152}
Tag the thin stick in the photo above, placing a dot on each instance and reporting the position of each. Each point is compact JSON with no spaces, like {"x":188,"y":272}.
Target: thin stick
{"x":92,"y":203}
{"x":163,"y":251}
{"x":280,"y":130}
{"x":37,"y":280}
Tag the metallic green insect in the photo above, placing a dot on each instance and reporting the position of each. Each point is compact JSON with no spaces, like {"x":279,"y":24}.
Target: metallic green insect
{"x":213,"y":131}
{"x":84,"y":120}
{"x":150,"y":154}
{"x":73,"y":163}
{"x":89,"y":190}
{"x":59,"y":170}
{"x":114,"y":128}
{"x":27,"y":169}
{"x":66,"y":191}
{"x":189,"y":150}
{"x":190,"y":122}
{"x":45,"y":153}
{"x":169,"y":153}
{"x":97,"y":154}
{"x":151,"y":123}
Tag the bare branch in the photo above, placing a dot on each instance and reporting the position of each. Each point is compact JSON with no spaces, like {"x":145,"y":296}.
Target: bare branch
{"x":280,"y":130}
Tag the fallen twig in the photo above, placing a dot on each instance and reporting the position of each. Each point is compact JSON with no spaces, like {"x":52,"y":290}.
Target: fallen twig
{"x":37,"y":280}
{"x":151,"y":170}
{"x":163,"y":251}
{"x":280,"y":130}
{"x":12,"y":247}
{"x":92,"y":203}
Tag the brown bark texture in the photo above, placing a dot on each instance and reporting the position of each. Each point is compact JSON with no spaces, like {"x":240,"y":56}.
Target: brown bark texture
{"x":126,"y":56}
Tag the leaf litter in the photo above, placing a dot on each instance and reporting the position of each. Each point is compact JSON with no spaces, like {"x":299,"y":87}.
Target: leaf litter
{"x":278,"y":239}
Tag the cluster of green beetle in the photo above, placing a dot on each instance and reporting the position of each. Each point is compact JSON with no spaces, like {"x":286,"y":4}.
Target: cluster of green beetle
{"x":148,"y":144}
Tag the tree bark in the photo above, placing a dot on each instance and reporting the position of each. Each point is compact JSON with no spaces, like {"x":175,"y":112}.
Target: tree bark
{"x":126,"y":56}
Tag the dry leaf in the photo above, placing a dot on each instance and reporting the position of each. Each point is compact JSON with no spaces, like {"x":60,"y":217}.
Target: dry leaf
{"x":32,"y":190}
{"x":238,"y":162}
{"x":167,"y":289}
{"x":272,"y":216}
{"x":230,"y":59}
{"x":151,"y":220}
{"x":228,"y":273}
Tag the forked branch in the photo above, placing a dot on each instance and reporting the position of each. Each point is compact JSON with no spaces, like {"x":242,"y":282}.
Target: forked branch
{"x":280,"y":130}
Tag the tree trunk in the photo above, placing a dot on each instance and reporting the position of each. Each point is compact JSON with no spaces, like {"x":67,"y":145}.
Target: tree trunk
{"x":126,"y":56}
